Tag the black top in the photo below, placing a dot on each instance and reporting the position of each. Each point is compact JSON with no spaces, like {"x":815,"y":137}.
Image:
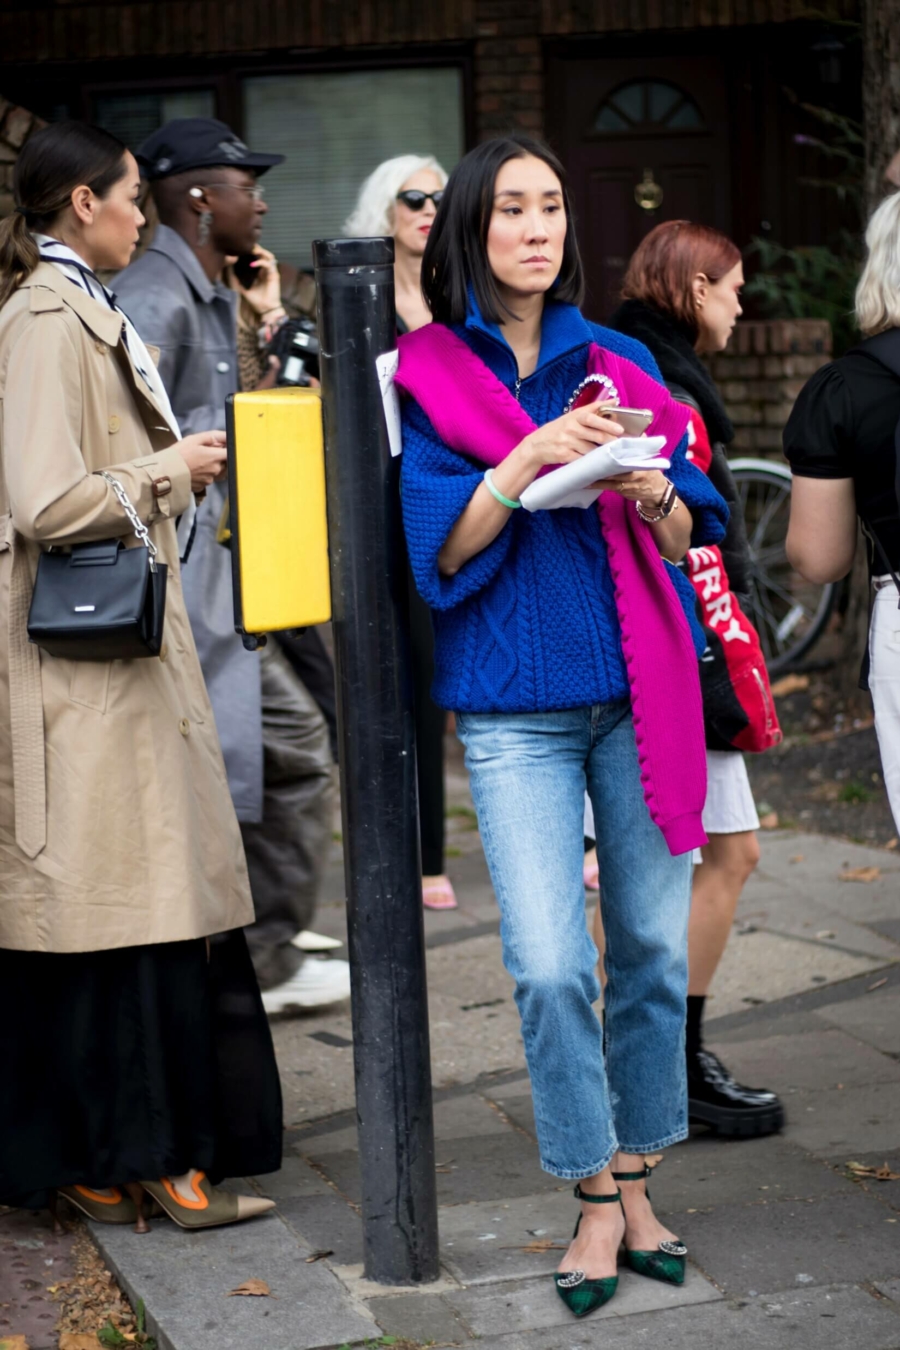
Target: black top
{"x":843,"y":426}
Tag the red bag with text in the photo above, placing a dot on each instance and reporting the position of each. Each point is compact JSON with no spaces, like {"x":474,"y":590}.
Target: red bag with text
{"x":738,"y":707}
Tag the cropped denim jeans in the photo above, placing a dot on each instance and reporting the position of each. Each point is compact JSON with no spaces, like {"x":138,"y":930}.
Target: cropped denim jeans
{"x":529,"y":773}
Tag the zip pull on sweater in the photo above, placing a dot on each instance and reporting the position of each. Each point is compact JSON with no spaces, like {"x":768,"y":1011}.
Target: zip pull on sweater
{"x":476,"y":415}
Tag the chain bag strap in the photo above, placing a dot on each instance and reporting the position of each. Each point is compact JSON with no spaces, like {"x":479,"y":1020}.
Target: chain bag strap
{"x":101,"y":601}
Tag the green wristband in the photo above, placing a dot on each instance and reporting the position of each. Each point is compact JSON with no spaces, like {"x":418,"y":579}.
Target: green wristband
{"x":497,"y":494}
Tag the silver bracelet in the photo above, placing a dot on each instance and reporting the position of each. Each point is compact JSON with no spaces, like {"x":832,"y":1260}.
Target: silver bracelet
{"x":668,"y":504}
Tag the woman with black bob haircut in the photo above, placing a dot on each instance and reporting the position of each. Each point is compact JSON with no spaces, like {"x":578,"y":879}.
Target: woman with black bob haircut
{"x":565,"y":647}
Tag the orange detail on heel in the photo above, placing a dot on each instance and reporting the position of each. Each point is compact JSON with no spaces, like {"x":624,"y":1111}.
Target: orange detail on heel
{"x":201,"y":1201}
{"x":97,"y":1198}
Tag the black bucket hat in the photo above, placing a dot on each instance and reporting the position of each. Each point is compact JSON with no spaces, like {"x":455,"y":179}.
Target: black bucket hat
{"x":198,"y":143}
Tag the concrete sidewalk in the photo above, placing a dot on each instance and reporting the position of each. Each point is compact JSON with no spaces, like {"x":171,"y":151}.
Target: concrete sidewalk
{"x":788,"y":1247}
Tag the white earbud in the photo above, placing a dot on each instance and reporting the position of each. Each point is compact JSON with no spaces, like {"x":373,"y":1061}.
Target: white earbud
{"x":195,"y":192}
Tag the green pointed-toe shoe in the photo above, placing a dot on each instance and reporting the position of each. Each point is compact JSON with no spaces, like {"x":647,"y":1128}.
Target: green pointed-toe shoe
{"x":581,"y":1295}
{"x":667,"y":1263}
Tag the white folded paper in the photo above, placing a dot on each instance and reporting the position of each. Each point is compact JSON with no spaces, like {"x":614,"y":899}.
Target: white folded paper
{"x":571,"y":485}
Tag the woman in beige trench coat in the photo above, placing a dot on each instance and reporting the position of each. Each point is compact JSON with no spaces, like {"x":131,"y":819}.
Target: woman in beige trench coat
{"x":139,"y":1058}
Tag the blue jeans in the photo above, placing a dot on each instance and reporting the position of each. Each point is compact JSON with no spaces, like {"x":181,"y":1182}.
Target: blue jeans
{"x":529,"y":773}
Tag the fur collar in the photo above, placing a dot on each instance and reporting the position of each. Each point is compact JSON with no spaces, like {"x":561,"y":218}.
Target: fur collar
{"x":670,"y":343}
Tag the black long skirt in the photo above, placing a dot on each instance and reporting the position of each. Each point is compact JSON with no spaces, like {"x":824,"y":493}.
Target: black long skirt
{"x":134,"y":1064}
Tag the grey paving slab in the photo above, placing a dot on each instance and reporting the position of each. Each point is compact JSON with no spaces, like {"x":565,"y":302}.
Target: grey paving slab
{"x":707,"y":1171}
{"x":770,"y":965}
{"x":778,"y":1245}
{"x":326,"y":1223}
{"x":889,"y":1288}
{"x":184,"y":1280}
{"x":816,"y":1319}
{"x":889,"y":928}
{"x":419,"y":1317}
{"x":873,"y":1018}
{"x":527,"y":1305}
{"x":829,"y":1123}
{"x":488,"y":1166}
{"x":486,"y":1241}
{"x":295,"y":1178}
{"x":809,"y":1062}
{"x":758,"y":1023}
{"x":518,"y":1106}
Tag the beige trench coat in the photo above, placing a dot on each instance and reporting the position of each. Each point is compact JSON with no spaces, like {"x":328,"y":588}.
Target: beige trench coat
{"x":116,"y":824}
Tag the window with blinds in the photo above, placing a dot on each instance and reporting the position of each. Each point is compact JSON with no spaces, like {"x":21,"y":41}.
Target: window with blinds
{"x":134,"y":117}
{"x":334,"y":129}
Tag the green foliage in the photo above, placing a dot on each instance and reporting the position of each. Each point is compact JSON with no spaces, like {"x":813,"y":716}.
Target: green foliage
{"x":818,"y":282}
{"x":855,"y":793}
{"x":808,"y":283}
{"x":112,"y":1339}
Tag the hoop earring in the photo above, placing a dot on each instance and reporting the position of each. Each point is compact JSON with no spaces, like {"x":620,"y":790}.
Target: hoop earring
{"x":203,"y":228}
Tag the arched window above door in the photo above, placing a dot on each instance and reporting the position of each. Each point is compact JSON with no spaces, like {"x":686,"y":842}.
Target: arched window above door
{"x":643,"y":106}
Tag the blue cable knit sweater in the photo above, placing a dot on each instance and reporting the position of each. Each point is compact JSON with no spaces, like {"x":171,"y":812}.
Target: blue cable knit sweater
{"x":530,"y":623}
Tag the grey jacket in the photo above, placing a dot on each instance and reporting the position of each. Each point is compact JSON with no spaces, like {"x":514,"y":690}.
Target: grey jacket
{"x":193,"y":322}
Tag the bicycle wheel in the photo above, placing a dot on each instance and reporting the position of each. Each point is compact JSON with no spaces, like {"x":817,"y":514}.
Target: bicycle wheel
{"x":790,"y":613}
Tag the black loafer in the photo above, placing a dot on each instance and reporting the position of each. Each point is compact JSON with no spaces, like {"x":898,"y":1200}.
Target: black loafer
{"x":729,"y":1108}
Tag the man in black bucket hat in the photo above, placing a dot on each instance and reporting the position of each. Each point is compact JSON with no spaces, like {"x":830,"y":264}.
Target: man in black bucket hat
{"x":204,"y":181}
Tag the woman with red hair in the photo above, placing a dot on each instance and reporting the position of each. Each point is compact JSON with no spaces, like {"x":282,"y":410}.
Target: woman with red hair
{"x":681,"y":298}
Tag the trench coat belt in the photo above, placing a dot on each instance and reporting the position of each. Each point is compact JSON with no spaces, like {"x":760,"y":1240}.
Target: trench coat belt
{"x":26,"y":705}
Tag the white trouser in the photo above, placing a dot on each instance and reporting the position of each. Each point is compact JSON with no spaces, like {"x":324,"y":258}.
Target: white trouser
{"x":884,"y":682}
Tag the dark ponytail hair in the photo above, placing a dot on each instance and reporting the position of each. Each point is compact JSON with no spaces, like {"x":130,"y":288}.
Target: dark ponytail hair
{"x":455,"y":256}
{"x":55,"y":161}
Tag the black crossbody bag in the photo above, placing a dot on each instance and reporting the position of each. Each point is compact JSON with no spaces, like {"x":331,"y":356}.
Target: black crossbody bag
{"x":101,"y":601}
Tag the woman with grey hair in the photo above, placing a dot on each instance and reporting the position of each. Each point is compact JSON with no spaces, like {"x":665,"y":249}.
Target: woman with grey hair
{"x":842,"y":444}
{"x":401,"y":198}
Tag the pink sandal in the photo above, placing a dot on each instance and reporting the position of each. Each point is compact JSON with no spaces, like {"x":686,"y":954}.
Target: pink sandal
{"x":438,"y":893}
{"x":591,"y":876}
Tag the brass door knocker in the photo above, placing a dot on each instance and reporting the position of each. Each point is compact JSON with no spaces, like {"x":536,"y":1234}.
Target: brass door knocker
{"x":647,"y":193}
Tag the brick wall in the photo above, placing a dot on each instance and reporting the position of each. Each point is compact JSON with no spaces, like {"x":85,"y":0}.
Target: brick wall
{"x":761,"y":374}
{"x":16,"y":125}
{"x":509,"y":68}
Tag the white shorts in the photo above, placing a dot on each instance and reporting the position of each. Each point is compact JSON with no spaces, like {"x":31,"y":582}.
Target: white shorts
{"x":884,"y":682}
{"x":729,"y":808}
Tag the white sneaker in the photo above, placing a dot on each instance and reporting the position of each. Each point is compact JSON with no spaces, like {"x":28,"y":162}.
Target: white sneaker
{"x":318,"y":982}
{"x":308,"y":941}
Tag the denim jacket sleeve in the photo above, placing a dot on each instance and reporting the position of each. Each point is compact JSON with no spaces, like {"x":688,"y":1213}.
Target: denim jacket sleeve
{"x":437,"y":486}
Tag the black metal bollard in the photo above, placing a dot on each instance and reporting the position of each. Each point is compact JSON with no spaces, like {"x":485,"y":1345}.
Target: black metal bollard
{"x":355,"y":281}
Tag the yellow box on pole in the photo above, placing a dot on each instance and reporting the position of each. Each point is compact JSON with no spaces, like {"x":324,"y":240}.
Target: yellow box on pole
{"x":279,"y":533}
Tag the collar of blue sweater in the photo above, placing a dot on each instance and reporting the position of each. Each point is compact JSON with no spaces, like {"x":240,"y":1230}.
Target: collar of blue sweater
{"x":563,"y":330}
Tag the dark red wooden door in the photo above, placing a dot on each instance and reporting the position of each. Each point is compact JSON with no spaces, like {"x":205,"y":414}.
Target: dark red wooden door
{"x":642,"y":141}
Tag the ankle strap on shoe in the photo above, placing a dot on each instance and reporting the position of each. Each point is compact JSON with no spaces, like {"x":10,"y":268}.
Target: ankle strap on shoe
{"x":596,"y":1199}
{"x":632,"y":1176}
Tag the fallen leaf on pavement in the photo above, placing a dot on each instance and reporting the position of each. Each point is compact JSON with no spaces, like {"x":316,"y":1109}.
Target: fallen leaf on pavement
{"x":76,"y":1340}
{"x":860,"y":874}
{"x":769,"y":821}
{"x":15,"y":1343}
{"x":892,"y":843}
{"x":319,"y":1256}
{"x":825,"y":933}
{"x":798,"y":857}
{"x":251,"y":1289}
{"x":882,"y":1173}
{"x":790,"y":684}
{"x":877,"y":985}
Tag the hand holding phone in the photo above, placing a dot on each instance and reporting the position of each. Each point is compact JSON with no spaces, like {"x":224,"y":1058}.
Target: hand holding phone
{"x":634,"y":420}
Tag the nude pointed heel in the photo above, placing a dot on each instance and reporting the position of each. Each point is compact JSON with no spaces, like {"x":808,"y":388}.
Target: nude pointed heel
{"x":209,"y":1206}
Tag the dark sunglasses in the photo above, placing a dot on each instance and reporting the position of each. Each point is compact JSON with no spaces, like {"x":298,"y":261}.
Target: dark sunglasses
{"x":416,"y":200}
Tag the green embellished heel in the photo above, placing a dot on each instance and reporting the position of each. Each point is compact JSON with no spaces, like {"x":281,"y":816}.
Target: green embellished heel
{"x":667,"y":1263}
{"x":581,"y":1295}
